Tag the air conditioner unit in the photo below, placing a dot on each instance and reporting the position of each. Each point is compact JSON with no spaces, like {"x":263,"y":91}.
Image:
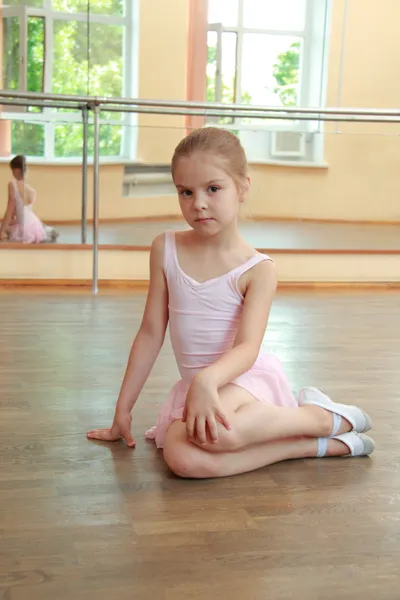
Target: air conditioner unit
{"x":288,"y":144}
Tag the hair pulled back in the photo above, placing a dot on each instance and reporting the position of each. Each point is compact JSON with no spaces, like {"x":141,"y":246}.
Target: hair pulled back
{"x":221,"y":143}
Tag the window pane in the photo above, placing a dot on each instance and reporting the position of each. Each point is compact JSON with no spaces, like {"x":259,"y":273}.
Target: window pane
{"x":34,"y":3}
{"x":228,"y":67}
{"x":11,"y":53}
{"x":284,"y":15}
{"x":27,"y":138}
{"x":72,"y":73}
{"x":35,"y":71}
{"x":228,"y":71}
{"x":70,"y":64}
{"x":277,"y":81}
{"x":35,"y":54}
{"x":227,"y":94}
{"x":103,"y":7}
{"x":112,"y":116}
{"x":223,"y":11}
{"x":106,"y":62}
{"x":212,"y":40}
{"x":110,"y":140}
{"x":69,"y":140}
{"x":72,"y":6}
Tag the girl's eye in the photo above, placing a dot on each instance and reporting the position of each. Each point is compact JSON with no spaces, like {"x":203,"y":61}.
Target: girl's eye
{"x":185,"y":193}
{"x":213,"y":189}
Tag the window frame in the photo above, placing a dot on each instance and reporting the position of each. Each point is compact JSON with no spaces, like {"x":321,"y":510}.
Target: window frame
{"x":312,"y":82}
{"x":50,"y":117}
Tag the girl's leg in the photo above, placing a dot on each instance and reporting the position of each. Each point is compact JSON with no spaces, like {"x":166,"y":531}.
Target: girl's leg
{"x":188,"y":460}
{"x":255,"y":423}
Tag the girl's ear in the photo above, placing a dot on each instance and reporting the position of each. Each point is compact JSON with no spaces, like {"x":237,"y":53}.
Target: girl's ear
{"x":245,"y":189}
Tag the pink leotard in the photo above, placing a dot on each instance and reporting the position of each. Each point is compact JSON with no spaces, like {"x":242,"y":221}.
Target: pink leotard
{"x":203,"y":321}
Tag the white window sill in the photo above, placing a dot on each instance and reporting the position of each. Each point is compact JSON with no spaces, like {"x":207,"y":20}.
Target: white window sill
{"x":291,"y":163}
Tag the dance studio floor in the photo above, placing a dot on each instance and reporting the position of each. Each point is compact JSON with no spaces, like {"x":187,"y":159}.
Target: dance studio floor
{"x":84,"y":521}
{"x":272,"y":235}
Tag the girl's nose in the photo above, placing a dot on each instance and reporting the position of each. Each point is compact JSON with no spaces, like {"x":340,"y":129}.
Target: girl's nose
{"x":200,"y":201}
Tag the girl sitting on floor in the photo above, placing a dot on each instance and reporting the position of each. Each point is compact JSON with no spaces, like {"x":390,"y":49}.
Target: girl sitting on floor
{"x":20,"y":224}
{"x":233,"y":410}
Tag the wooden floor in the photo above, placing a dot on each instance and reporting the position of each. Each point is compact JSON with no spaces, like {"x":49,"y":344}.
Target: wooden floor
{"x":84,"y":521}
{"x":261,"y":234}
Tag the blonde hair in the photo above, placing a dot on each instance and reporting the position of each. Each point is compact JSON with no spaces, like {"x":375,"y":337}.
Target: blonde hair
{"x":220,"y":142}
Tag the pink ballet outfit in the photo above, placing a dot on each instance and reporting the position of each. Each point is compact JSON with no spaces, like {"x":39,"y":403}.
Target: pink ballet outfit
{"x":28,"y":229}
{"x":203,"y":321}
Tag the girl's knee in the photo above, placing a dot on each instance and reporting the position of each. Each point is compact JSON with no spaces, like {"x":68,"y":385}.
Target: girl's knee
{"x":228,"y":441}
{"x":188,"y":461}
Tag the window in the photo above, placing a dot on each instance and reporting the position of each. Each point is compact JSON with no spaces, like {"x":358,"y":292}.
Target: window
{"x":73,"y":47}
{"x":269,"y":53}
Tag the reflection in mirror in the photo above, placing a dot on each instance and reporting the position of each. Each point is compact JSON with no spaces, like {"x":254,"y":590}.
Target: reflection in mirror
{"x":316,"y":184}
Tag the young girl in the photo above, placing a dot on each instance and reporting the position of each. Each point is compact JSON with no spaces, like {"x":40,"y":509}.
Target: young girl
{"x":20,"y":224}
{"x":233,"y":410}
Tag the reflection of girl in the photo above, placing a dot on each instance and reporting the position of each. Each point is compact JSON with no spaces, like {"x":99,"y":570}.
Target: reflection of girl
{"x":20,"y":224}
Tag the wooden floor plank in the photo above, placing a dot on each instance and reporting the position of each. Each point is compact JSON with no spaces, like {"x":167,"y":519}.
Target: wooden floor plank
{"x":81,"y":520}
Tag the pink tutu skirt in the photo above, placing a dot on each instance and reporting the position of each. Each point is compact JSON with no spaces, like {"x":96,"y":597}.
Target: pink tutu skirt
{"x":266,"y":381}
{"x":32,"y":232}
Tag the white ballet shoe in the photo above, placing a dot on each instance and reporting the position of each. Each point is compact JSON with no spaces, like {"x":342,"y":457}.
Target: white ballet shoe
{"x":360,"y":420}
{"x":358,"y":444}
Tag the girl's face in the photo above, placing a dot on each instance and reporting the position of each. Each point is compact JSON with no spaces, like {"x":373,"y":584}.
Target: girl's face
{"x":208,"y":196}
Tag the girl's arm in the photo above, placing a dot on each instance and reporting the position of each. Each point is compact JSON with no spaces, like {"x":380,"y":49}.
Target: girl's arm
{"x":151,"y":334}
{"x":9,"y":213}
{"x":260,"y":292}
{"x":144,"y":351}
{"x":32,"y":197}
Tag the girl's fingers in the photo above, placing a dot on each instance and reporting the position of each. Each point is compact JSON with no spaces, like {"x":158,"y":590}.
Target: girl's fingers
{"x":190,"y":424}
{"x":104,"y":435}
{"x":224,"y":419}
{"x":201,"y":430}
{"x":213,"y":428}
{"x":129,"y":439}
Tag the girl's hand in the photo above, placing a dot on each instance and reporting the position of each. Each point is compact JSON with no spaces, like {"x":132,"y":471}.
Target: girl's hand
{"x":120,"y":429}
{"x":202,"y":409}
